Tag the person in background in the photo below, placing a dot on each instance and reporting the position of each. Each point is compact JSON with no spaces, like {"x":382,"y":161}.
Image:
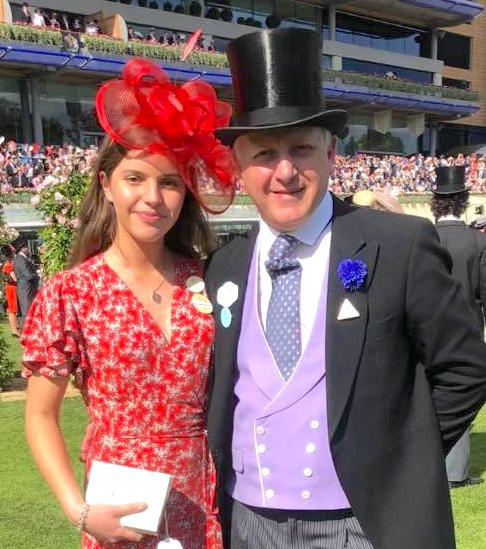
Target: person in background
{"x":10,"y":289}
{"x":377,"y":200}
{"x":25,"y":16}
{"x":479,"y":224}
{"x":27,"y":278}
{"x":151,"y":36}
{"x":54,"y":22}
{"x":468,"y":251}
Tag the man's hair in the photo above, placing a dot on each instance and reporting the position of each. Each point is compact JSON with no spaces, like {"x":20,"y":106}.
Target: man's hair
{"x":451,"y":204}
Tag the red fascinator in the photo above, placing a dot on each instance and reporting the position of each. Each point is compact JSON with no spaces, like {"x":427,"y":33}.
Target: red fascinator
{"x":144,"y":110}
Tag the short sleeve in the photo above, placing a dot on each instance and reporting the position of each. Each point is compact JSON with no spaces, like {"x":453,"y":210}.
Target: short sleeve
{"x":52,"y":336}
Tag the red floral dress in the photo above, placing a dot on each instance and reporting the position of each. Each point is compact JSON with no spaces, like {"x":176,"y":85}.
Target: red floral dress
{"x":145,"y":395}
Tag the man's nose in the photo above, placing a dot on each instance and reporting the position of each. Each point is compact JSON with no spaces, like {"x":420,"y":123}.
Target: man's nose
{"x":285,"y":170}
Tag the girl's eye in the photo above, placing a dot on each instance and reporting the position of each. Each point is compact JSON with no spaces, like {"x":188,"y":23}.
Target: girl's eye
{"x":132,"y":179}
{"x":170,"y":182}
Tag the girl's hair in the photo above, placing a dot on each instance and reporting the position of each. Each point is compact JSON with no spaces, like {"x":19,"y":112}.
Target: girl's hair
{"x":190,"y":236}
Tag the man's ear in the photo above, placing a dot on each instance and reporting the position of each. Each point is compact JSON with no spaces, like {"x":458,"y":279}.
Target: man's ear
{"x":331,"y":152}
{"x":239,"y":178}
{"x":105,"y":183}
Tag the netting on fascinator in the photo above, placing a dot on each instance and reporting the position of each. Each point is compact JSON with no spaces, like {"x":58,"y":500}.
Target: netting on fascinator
{"x":143,"y":110}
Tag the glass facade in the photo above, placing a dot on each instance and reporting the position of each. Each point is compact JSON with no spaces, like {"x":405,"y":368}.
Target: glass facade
{"x":370,"y":33}
{"x":363,"y":139}
{"x":377,"y":69}
{"x":67,"y":112}
{"x":266,"y":13}
{"x":10,"y":109}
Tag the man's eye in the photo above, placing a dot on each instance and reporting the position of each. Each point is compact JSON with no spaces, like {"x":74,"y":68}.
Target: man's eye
{"x":132,"y":179}
{"x":264,"y":155}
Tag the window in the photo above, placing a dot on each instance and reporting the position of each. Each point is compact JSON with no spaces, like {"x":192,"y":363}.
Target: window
{"x":455,"y":50}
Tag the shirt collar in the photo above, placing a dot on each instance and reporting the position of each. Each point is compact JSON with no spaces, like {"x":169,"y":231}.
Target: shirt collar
{"x":448,"y":217}
{"x":308,"y":233}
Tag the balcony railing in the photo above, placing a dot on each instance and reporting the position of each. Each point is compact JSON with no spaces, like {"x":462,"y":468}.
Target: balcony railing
{"x":107,"y":45}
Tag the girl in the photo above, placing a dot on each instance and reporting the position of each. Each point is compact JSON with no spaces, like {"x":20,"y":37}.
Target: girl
{"x":130,"y":320}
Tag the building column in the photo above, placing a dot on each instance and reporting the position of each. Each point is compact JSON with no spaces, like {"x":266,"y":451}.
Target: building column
{"x":332,"y":21}
{"x":36,"y":115}
{"x":434,"y":43}
{"x":25,"y":109}
{"x":433,"y":139}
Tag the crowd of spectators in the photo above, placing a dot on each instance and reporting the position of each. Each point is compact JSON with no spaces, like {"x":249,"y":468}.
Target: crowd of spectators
{"x":49,"y":19}
{"x":170,"y":38}
{"x":25,"y":166}
{"x":401,"y":174}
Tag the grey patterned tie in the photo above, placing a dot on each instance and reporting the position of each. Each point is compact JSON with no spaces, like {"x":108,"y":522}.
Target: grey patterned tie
{"x":283,"y":317}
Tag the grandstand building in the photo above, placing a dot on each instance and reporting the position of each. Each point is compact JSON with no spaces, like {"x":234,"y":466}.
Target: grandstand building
{"x":411,"y":72}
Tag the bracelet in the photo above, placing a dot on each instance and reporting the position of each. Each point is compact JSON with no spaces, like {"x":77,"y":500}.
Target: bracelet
{"x":82,"y":517}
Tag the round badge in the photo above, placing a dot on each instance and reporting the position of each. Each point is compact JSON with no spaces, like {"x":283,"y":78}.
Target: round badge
{"x":226,"y":317}
{"x":202,"y":303}
{"x":195,"y":284}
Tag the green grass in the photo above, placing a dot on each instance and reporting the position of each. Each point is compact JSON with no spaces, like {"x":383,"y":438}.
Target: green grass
{"x":470,"y":503}
{"x":14,"y":347}
{"x":30,"y":517}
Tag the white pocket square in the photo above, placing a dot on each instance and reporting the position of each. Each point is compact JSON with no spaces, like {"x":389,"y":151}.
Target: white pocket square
{"x":347,"y":311}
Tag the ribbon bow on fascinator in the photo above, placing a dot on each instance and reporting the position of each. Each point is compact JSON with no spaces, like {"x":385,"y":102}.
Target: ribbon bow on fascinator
{"x":144,"y":110}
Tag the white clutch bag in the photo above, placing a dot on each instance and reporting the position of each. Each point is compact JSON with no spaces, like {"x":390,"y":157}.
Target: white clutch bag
{"x":118,"y":485}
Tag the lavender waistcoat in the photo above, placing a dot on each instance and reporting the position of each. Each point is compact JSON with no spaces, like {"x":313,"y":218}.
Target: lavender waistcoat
{"x":280,"y":450}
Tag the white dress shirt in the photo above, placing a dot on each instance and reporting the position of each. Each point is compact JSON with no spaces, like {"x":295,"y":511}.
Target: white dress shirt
{"x":313,"y":255}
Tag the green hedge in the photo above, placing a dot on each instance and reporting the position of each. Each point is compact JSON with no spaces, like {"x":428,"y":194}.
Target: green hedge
{"x":381,"y":82}
{"x":107,"y":45}
{"x":26,"y":33}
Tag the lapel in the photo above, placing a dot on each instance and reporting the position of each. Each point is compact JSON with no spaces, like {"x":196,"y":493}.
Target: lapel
{"x":345,"y":338}
{"x":235,"y":264}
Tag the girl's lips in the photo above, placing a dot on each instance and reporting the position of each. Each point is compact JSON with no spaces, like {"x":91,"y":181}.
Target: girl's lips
{"x":149,"y":216}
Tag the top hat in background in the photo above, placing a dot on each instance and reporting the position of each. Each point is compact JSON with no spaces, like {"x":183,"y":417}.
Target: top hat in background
{"x":450,"y":180}
{"x":277,"y":83}
{"x":19,"y":243}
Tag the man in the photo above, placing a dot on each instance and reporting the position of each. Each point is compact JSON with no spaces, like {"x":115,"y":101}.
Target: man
{"x":479,"y":224}
{"x":324,"y":429}
{"x":25,"y":16}
{"x":27,"y":277}
{"x":468,"y":251}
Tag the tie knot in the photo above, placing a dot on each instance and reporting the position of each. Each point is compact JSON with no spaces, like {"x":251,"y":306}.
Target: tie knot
{"x":279,"y":256}
{"x":283,"y":247}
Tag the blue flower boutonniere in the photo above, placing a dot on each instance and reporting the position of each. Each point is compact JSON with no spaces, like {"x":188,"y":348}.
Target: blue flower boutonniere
{"x":352,"y":274}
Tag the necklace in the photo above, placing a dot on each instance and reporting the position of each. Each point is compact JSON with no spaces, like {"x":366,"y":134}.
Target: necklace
{"x":156,"y":297}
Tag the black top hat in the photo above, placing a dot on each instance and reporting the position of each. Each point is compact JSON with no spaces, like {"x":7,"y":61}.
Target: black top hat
{"x":277,"y":83}
{"x":19,"y":243}
{"x":450,"y":180}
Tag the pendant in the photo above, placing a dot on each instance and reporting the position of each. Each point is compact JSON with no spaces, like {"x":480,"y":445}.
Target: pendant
{"x":156,"y":297}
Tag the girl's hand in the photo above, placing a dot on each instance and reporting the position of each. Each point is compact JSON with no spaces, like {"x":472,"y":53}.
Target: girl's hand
{"x":103,"y":522}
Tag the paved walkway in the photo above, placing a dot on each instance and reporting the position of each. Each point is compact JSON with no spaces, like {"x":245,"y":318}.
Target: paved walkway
{"x":16,"y":390}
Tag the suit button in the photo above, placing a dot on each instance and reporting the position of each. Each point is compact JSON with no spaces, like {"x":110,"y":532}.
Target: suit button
{"x":260,"y":430}
{"x":305,"y":494}
{"x":269,"y":493}
{"x":310,"y":448}
{"x":261,"y":448}
{"x":307,"y":472}
{"x":314,"y":424}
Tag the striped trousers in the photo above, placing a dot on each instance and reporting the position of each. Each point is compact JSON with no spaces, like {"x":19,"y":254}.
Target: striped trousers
{"x":255,"y":528}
